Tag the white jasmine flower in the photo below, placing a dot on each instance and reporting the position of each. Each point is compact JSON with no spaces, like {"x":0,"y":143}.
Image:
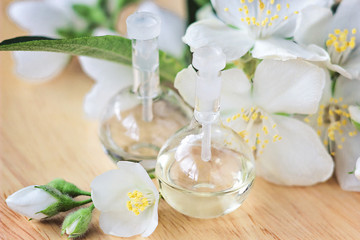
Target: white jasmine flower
{"x":30,"y":201}
{"x":262,"y":26}
{"x":127,"y":199}
{"x":43,"y":18}
{"x":334,"y":124}
{"x":337,"y":35}
{"x":287,"y":151}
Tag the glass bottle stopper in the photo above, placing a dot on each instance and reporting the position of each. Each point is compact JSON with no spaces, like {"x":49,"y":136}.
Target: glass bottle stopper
{"x":144,"y":28}
{"x":209,"y":62}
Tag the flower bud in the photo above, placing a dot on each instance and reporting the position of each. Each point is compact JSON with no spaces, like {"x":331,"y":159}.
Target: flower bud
{"x":30,"y":201}
{"x":77,"y":223}
{"x":41,"y":201}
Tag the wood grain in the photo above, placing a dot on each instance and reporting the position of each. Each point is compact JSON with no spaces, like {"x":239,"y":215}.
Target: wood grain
{"x":44,"y":135}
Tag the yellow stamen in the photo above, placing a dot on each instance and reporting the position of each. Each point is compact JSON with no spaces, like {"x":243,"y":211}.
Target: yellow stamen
{"x":265,"y":129}
{"x":261,"y":5}
{"x":278,"y":7}
{"x":339,"y":40}
{"x":138,"y":203}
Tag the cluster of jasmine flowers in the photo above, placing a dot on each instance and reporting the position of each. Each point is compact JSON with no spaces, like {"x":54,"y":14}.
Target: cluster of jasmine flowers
{"x":293,"y":91}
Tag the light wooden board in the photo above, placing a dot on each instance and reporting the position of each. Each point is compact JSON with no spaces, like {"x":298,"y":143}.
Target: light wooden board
{"x":44,"y":135}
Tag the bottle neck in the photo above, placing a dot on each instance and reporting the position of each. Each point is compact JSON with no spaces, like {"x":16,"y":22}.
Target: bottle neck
{"x":207,"y":101}
{"x":145,"y":60}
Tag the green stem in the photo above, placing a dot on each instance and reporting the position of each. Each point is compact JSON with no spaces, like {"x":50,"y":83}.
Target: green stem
{"x":333,"y":84}
{"x":80,"y":203}
{"x":85,"y":193}
{"x":92,"y":207}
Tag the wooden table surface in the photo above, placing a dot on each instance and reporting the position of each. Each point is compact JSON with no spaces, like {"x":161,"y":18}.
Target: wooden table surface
{"x":44,"y":135}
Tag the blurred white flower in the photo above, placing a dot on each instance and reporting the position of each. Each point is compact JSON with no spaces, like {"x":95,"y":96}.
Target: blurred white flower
{"x":263,"y":27}
{"x":333,"y":123}
{"x":127,"y":199}
{"x":172,"y":29}
{"x":287,"y":151}
{"x":357,"y":169}
{"x":110,"y":77}
{"x":44,"y":18}
{"x":336,"y":35}
{"x":30,"y":201}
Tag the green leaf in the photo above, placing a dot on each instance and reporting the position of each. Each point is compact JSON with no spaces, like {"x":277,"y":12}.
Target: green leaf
{"x":111,"y":48}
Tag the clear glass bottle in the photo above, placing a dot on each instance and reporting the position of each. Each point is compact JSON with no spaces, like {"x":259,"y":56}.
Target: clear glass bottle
{"x":139,"y":119}
{"x":206,"y":170}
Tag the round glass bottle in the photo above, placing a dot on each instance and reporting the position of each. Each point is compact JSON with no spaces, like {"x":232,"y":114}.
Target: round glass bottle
{"x":206,"y":170}
{"x":138,"y":120}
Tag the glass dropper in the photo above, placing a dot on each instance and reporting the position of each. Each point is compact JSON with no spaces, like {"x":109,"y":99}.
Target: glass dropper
{"x":144,"y":28}
{"x":209,"y":62}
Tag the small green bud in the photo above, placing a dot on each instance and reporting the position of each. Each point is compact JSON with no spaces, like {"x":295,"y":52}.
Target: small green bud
{"x":67,"y":188}
{"x":77,"y":223}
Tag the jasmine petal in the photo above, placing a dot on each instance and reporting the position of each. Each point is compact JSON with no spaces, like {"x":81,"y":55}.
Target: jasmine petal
{"x":129,"y":208}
